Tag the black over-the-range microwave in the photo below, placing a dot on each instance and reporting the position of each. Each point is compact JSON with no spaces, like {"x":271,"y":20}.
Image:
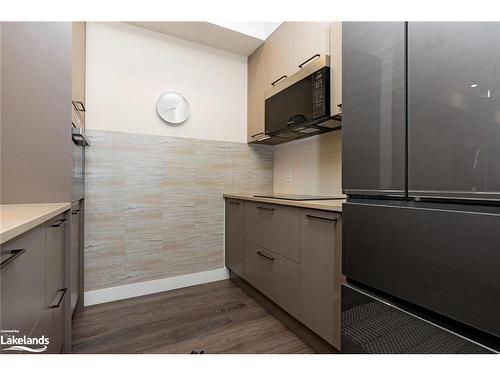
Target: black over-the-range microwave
{"x":299,"y":106}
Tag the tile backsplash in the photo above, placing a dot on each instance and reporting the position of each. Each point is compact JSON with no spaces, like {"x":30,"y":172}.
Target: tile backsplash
{"x":309,"y":166}
{"x":154,"y":206}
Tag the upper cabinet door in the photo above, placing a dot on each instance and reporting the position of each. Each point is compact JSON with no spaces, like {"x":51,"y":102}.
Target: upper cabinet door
{"x":279,"y":55}
{"x":310,"y":39}
{"x":257,"y":85}
{"x":454,"y":109}
{"x":336,"y":68}
{"x":78,"y":73}
{"x":373,"y":108}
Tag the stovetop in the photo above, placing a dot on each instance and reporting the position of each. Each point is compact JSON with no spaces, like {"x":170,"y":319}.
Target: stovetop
{"x":298,"y":197}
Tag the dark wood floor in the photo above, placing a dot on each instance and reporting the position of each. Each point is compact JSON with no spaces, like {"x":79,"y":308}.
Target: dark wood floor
{"x":216,"y":318}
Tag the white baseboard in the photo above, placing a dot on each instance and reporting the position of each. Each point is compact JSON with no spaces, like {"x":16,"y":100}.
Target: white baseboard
{"x":116,"y":293}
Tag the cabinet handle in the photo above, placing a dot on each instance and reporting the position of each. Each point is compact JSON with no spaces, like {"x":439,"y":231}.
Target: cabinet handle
{"x":255,"y":135}
{"x":58,"y":304}
{"x":279,"y":79}
{"x":309,"y":59}
{"x":13,"y":255}
{"x":75,"y":212}
{"x":58,"y":224}
{"x":235,"y":203}
{"x":79,"y":106}
{"x":319,"y":218}
{"x":265,"y":256}
{"x":265,"y":208}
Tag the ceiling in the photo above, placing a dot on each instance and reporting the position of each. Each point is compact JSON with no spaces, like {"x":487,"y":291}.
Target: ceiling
{"x":241,"y":38}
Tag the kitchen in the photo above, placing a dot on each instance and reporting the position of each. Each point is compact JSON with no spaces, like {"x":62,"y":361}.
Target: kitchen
{"x":260,"y":187}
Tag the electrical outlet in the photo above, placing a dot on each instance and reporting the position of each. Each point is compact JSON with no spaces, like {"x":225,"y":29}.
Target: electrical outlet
{"x":288,"y":177}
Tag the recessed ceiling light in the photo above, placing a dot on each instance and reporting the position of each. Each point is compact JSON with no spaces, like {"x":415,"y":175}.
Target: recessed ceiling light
{"x":474,"y":85}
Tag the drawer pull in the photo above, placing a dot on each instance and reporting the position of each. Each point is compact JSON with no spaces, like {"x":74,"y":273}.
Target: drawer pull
{"x":279,"y":79}
{"x":58,"y":224}
{"x":79,"y":106}
{"x":235,"y":203}
{"x":323,"y":219}
{"x":309,"y":59}
{"x":58,"y":304}
{"x":13,"y":255}
{"x":265,"y":208}
{"x":75,"y":212}
{"x":265,"y":256}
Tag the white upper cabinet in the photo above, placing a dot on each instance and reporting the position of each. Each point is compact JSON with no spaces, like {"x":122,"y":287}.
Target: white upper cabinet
{"x":279,"y":56}
{"x":336,"y":68}
{"x":310,"y":39}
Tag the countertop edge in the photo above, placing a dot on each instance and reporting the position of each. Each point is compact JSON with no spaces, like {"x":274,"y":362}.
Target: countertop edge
{"x":316,"y":205}
{"x":35,"y":221}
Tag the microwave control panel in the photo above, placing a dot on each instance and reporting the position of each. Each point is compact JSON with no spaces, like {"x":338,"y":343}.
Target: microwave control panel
{"x":320,"y":80}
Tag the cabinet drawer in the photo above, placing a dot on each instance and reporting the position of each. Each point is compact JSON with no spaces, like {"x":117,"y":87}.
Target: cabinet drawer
{"x":23,"y":281}
{"x":274,"y":275}
{"x":273,"y":227}
{"x":56,"y":319}
{"x":51,"y":323}
{"x":55,"y":229}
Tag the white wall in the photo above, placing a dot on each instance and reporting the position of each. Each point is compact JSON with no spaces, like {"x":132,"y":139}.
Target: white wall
{"x":129,"y":67}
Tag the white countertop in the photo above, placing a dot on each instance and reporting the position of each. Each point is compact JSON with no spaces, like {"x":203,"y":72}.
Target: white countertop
{"x":334,"y":205}
{"x":16,"y":219}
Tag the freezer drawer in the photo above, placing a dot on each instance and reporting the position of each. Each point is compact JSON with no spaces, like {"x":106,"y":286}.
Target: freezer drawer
{"x":371,"y":325}
{"x":443,"y":260}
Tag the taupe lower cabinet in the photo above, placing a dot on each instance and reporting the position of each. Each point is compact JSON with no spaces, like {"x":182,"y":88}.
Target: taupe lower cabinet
{"x":33,"y":291}
{"x":76,"y":245}
{"x":292,"y":255}
{"x":234,"y":235}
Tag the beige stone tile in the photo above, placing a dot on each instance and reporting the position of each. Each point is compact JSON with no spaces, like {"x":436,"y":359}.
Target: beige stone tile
{"x":154,"y":204}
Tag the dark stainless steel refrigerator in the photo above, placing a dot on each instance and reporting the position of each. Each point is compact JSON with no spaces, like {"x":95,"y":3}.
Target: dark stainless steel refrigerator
{"x":421,"y":169}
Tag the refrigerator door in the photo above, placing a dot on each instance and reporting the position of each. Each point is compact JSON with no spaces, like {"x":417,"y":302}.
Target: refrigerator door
{"x":373,"y":108}
{"x":454,"y":109}
{"x":442,"y":258}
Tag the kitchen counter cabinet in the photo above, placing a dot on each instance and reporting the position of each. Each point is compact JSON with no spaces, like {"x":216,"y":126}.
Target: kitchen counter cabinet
{"x":34,"y":298}
{"x":292,"y":255}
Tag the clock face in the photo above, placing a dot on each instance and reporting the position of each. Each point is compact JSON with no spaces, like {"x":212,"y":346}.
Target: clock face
{"x":172,"y":107}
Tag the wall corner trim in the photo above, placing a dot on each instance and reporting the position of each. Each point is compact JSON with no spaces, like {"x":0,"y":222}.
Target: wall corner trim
{"x":94,"y":297}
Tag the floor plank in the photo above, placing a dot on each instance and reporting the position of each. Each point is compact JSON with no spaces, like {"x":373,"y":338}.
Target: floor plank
{"x":215,"y":317}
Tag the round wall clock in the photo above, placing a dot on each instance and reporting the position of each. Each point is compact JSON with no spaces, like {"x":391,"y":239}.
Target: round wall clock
{"x":172,"y":107}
